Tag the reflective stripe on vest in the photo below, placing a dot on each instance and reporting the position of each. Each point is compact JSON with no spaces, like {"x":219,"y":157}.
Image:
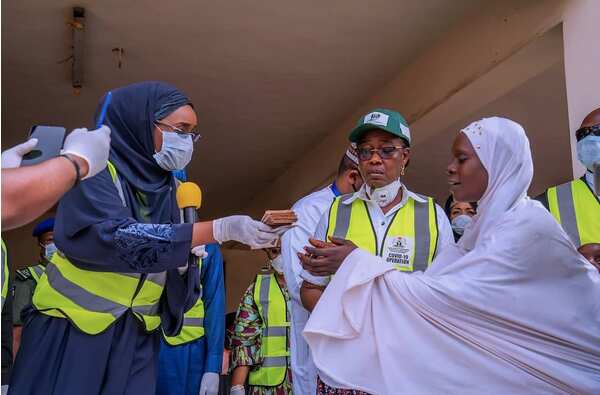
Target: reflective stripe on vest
{"x":193,"y":321}
{"x":93,"y":301}
{"x":272,"y":308}
{"x":577,"y":209}
{"x":4,"y":273}
{"x":410,"y":241}
{"x":36,"y":272}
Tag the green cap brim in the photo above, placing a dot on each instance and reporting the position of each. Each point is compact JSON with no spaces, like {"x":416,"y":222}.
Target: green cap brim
{"x":358,"y":131}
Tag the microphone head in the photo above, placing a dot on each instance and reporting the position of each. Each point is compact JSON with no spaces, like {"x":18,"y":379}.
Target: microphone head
{"x":189,"y":195}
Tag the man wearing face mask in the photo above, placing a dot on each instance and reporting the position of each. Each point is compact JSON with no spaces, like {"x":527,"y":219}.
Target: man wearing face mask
{"x":460,"y":214}
{"x":406,"y":229}
{"x":26,"y":279}
{"x":575,"y":204}
{"x":260,"y":345}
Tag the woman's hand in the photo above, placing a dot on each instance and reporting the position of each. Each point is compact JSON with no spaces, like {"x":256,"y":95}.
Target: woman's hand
{"x":323,"y":258}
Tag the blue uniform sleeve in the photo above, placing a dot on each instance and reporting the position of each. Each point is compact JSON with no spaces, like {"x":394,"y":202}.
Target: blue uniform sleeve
{"x":213,"y":296}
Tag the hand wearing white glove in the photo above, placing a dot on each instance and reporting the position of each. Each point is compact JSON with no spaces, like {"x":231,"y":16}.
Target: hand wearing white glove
{"x":12,"y":157}
{"x":92,"y":146}
{"x":245,"y":230}
{"x":200,"y":251}
{"x":209,"y":384}
{"x":237,"y":390}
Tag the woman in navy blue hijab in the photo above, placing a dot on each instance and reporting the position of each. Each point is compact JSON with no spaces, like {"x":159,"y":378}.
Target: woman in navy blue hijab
{"x":123,"y":224}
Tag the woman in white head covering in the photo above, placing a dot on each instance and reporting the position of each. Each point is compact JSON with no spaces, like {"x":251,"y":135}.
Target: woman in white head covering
{"x":511,"y":309}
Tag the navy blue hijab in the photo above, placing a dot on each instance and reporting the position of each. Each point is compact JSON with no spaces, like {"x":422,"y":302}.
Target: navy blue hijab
{"x":90,"y":215}
{"x":131,"y":115}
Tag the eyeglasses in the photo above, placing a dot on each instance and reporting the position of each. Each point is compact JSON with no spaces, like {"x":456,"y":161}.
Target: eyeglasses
{"x":587,"y":131}
{"x":386,"y":152}
{"x":195,"y":135}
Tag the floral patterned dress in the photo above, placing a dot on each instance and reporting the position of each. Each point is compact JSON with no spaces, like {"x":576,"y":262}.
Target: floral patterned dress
{"x":245,"y":341}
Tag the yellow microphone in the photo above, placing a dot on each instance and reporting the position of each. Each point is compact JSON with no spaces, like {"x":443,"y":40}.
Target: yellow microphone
{"x":189,"y":199}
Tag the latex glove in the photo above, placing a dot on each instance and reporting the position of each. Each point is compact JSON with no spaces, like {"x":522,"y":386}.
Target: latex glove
{"x":93,"y":146}
{"x":12,"y":157}
{"x":209,"y":384}
{"x":200,"y":251}
{"x":245,"y":230}
{"x":4,"y":389}
{"x":237,"y":390}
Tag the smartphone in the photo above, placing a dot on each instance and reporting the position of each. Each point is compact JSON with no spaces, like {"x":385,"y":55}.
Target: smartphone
{"x":50,"y":142}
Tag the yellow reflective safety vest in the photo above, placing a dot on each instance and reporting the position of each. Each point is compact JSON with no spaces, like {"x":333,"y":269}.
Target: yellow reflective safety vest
{"x":576,"y":207}
{"x":92,"y":300}
{"x":272,"y":308}
{"x":36,"y":272}
{"x":193,"y":322}
{"x":410,"y":241}
{"x":5,"y":273}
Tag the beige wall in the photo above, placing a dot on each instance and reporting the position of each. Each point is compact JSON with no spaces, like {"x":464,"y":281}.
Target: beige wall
{"x":582,"y":63}
{"x":467,"y":51}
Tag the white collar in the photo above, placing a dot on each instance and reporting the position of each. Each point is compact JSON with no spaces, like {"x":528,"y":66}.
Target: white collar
{"x":362,"y":195}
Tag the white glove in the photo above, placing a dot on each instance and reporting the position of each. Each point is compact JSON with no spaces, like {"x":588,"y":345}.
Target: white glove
{"x":200,"y":251}
{"x":245,"y":230}
{"x":12,"y":157}
{"x":93,"y":146}
{"x":209,"y":384}
{"x":237,"y":390}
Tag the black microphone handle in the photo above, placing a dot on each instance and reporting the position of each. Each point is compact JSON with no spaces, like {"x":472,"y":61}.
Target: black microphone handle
{"x":189,"y":215}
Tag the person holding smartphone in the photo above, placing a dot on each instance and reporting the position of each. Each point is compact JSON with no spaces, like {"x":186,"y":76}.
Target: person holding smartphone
{"x":30,"y":191}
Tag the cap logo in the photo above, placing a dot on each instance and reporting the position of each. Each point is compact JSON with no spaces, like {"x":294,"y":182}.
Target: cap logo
{"x":376,"y":118}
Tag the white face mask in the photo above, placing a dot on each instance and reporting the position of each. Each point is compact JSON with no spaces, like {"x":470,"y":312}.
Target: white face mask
{"x":385,"y":194}
{"x":49,"y":250}
{"x":460,"y":222}
{"x":277,"y":264}
{"x":176,"y":151}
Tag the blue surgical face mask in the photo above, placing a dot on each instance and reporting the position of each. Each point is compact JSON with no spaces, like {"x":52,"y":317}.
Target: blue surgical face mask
{"x":176,"y":151}
{"x":49,"y":250}
{"x":460,"y":222}
{"x":588,"y":151}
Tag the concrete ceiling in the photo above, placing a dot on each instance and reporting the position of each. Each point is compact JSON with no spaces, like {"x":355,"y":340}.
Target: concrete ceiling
{"x":268,"y":79}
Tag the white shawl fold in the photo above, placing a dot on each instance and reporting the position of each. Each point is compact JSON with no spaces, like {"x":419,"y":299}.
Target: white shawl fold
{"x":512,"y":309}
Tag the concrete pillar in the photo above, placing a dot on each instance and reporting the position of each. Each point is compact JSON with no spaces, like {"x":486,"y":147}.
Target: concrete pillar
{"x":582,"y":65}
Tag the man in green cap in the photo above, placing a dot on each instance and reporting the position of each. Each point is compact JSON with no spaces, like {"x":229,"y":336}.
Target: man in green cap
{"x":404,"y":228}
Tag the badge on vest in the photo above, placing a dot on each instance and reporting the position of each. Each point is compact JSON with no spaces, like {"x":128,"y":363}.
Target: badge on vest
{"x":399,"y":251}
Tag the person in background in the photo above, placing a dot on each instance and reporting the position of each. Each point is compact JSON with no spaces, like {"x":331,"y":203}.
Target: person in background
{"x":26,"y":279}
{"x":591,"y":252}
{"x":196,"y":354}
{"x":123,"y":273}
{"x":460,"y":215}
{"x":260,"y":339}
{"x":309,"y":210}
{"x":575,"y":204}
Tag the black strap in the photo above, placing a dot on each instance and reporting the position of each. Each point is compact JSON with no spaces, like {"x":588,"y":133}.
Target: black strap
{"x":77,"y":169}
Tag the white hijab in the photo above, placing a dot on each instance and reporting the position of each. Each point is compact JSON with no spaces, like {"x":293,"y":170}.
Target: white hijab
{"x":513,"y":308}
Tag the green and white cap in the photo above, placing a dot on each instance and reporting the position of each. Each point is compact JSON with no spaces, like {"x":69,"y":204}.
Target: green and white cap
{"x":383,"y":119}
